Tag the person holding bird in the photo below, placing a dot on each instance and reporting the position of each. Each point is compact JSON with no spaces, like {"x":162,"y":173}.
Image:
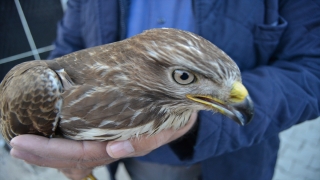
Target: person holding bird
{"x":274,"y":44}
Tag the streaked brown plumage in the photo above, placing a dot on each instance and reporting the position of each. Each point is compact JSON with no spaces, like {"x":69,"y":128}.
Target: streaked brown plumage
{"x":141,"y":85}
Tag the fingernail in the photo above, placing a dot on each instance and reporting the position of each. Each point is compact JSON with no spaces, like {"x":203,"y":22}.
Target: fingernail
{"x":15,"y":144}
{"x":12,"y":142}
{"x":17,"y":154}
{"x":120,"y":149}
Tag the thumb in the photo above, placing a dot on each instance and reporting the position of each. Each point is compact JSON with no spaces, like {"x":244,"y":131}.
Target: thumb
{"x":144,"y":144}
{"x":118,"y":149}
{"x":138,"y":146}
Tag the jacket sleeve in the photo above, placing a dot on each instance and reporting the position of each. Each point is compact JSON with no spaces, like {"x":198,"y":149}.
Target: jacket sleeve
{"x":285,"y":92}
{"x":69,"y":31}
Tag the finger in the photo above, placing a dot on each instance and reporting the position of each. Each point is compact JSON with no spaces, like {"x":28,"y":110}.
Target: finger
{"x":137,"y":146}
{"x":40,"y":161}
{"x":59,"y":153}
{"x":145,"y":144}
{"x":60,"y":148}
{"x":118,"y":149}
{"x":57,"y":163}
{"x":149,"y":143}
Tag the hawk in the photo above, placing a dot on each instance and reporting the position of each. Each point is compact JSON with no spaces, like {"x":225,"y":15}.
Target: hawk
{"x":141,"y":85}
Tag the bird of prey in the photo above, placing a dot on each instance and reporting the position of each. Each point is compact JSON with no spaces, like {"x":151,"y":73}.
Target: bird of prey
{"x":141,"y":85}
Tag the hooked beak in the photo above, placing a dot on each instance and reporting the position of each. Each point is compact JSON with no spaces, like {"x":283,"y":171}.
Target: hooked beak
{"x":238,"y":108}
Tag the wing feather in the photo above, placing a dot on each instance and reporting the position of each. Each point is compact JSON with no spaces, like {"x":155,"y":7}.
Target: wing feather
{"x":29,"y":93}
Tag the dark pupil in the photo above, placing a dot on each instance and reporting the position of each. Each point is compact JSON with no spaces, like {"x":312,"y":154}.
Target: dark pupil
{"x":184,"y":76}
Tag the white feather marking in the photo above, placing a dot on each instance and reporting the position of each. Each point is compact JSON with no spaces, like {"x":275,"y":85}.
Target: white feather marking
{"x":173,"y":121}
{"x":92,"y":53}
{"x":58,"y":106}
{"x":98,"y":66}
{"x":85,"y":95}
{"x":153,"y":54}
{"x":60,"y":70}
{"x":105,"y":122}
{"x":191,"y":34}
{"x":56,"y":84}
{"x":69,"y":120}
{"x":136,"y":113}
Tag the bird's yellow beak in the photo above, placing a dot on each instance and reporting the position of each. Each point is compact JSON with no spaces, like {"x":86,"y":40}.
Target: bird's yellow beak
{"x":239,"y":106}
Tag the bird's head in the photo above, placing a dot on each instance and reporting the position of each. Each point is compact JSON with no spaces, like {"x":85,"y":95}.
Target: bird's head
{"x":178,"y":70}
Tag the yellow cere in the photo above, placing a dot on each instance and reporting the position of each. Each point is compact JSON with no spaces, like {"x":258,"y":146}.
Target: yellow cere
{"x":238,"y":92}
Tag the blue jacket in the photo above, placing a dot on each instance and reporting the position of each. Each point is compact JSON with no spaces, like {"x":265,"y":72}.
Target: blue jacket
{"x":276,"y":44}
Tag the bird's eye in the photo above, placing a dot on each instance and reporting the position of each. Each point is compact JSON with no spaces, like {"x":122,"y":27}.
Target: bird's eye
{"x":183,"y":77}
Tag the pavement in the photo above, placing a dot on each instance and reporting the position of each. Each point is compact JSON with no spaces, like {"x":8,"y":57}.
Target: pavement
{"x":299,"y":154}
{"x":299,"y":159}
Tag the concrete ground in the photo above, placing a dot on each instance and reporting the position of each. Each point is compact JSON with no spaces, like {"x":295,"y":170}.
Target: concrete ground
{"x":299,"y":155}
{"x":299,"y":159}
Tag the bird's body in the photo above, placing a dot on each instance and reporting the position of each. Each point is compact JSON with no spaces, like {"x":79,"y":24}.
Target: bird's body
{"x":142,"y":85}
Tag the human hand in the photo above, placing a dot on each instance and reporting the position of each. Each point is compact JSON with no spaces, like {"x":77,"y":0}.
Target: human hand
{"x":75,"y":159}
{"x":67,"y":154}
{"x":145,"y":144}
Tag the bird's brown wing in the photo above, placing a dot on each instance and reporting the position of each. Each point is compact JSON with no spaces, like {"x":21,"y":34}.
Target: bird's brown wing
{"x":28,"y":97}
